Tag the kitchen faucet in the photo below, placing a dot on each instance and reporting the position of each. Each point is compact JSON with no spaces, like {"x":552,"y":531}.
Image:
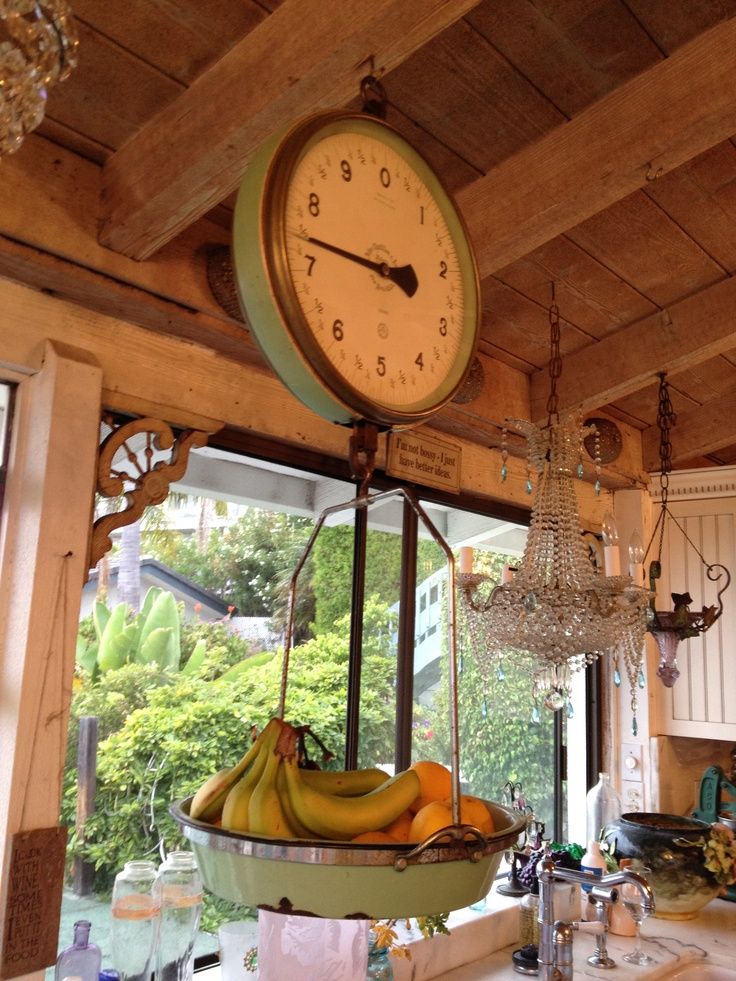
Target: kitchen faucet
{"x":555,"y":936}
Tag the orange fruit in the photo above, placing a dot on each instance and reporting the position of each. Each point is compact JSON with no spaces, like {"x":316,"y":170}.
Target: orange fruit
{"x":474,"y":811}
{"x":374,"y":838}
{"x":435,"y":782}
{"x":430,"y":818}
{"x":399,"y":828}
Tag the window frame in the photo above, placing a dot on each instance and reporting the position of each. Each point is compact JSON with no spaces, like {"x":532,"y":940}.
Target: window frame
{"x":273,"y":451}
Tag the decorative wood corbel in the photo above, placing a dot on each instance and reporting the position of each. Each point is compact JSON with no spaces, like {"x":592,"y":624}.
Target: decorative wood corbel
{"x":135,"y":475}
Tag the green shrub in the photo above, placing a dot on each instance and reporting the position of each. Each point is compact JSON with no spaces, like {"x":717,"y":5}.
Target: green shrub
{"x":161,"y":738}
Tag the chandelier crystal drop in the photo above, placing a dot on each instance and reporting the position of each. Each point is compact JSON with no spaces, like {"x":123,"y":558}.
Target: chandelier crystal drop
{"x":558,"y":611}
{"x":38,"y":48}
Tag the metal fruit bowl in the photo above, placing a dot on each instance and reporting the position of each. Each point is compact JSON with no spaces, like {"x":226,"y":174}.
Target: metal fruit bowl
{"x":345,"y":880}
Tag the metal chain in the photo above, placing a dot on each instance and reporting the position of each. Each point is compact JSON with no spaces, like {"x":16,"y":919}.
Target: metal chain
{"x":555,"y":361}
{"x":666,"y":418}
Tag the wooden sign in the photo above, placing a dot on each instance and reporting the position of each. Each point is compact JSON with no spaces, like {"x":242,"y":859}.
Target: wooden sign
{"x":424,"y":459}
{"x":35,"y":884}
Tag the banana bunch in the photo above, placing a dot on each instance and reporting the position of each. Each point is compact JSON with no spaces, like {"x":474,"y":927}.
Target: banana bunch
{"x":267,"y":793}
{"x":329,"y":815}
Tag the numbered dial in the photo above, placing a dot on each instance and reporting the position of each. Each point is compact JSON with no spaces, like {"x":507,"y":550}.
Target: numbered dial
{"x":374,"y":280}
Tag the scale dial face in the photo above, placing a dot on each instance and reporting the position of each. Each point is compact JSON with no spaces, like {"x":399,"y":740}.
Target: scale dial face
{"x":372,"y":305}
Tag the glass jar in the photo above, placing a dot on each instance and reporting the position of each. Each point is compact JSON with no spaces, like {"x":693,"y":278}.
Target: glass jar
{"x":181,"y":908}
{"x":136,"y":919}
{"x":82,"y":960}
{"x":379,"y":963}
{"x":529,"y":916}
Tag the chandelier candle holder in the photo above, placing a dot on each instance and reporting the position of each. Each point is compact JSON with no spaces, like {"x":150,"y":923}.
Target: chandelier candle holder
{"x":669,"y":627}
{"x":557,"y":611}
{"x":38,"y":48}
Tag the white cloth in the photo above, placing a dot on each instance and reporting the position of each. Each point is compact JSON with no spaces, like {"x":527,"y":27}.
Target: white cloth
{"x":306,"y":948}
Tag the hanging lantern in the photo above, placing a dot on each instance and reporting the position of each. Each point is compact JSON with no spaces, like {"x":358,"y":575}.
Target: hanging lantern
{"x":669,"y":627}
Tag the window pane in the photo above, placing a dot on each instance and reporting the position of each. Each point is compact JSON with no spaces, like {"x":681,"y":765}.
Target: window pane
{"x":503,"y":741}
{"x":164,"y":727}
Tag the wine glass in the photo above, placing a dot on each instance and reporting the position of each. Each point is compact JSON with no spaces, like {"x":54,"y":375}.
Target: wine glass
{"x":633,"y":901}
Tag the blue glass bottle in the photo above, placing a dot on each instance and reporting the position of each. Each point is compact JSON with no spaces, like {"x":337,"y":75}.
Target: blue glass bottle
{"x":82,"y":960}
{"x":379,"y":963}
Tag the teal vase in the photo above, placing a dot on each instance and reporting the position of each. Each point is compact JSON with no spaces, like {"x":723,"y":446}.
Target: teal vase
{"x":379,"y":962}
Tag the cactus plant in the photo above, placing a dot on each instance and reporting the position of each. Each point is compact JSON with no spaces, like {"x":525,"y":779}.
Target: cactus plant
{"x":151,"y":637}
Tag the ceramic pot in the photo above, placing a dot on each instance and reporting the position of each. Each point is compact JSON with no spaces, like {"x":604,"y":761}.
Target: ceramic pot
{"x":669,"y":845}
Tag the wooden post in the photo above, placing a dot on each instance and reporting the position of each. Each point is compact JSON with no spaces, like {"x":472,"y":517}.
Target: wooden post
{"x":44,"y":537}
{"x":86,"y":787}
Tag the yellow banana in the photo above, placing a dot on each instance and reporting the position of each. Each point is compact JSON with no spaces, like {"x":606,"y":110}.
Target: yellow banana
{"x":209,"y":800}
{"x":300,"y":831}
{"x":342,"y":818}
{"x":237,"y":803}
{"x":265,"y":812}
{"x":345,"y":783}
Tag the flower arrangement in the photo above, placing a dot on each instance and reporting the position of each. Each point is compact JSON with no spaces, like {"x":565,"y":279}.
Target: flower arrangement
{"x":386,"y":936}
{"x":719,"y":852}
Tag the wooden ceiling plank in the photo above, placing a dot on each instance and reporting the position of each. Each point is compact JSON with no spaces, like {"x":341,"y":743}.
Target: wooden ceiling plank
{"x":512,"y":321}
{"x":637,"y":241}
{"x":574,"y":52}
{"x":181,"y":39}
{"x":672,"y":24}
{"x":690,"y":331}
{"x":697,"y":432}
{"x":303,"y":57}
{"x":701,"y":197}
{"x":589,"y":294}
{"x":474,"y":91}
{"x":111,"y":94}
{"x":650,"y":124}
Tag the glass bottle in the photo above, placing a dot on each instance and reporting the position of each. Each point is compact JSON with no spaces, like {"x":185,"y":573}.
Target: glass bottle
{"x":529,"y":916}
{"x":181,"y":907}
{"x":136,"y":918}
{"x":80,"y":961}
{"x":602,"y":805}
{"x":593,"y":862}
{"x":379,"y":963}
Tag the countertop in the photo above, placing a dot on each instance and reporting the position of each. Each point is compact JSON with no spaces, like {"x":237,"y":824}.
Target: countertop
{"x":709,"y":938}
{"x":480,"y":945}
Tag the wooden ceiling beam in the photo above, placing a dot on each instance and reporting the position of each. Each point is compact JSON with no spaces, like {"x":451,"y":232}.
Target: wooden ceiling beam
{"x":687,"y":333}
{"x":645,"y":128}
{"x":303,"y":57}
{"x":696,"y":432}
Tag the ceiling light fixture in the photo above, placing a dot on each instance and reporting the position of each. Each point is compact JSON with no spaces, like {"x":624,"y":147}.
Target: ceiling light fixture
{"x":38,"y":48}
{"x":669,"y":627}
{"x":557,"y":610}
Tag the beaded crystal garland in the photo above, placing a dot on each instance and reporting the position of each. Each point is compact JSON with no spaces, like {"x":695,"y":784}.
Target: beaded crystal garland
{"x":558,"y":611}
{"x":38,"y":48}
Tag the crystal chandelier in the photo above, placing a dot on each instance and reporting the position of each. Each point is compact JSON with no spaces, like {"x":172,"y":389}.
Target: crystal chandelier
{"x":38,"y":48}
{"x":669,"y":627}
{"x":557,"y":610}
